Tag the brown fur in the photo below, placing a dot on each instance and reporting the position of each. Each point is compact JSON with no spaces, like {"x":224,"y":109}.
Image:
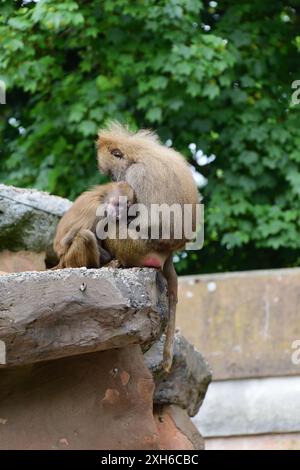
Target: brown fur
{"x":156,"y":173}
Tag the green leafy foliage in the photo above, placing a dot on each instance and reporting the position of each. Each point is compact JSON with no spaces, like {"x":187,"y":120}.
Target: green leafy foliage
{"x":217,"y":74}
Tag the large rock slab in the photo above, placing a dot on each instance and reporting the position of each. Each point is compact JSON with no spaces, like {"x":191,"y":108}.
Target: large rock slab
{"x":176,"y":430}
{"x":28,"y":218}
{"x":186,"y":384}
{"x":94,"y":401}
{"x":52,"y":314}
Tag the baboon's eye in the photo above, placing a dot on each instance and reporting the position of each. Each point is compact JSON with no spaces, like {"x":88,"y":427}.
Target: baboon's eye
{"x":117,"y":153}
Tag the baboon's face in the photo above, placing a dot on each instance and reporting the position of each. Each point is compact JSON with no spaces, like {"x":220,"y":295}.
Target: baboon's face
{"x":112,"y":160}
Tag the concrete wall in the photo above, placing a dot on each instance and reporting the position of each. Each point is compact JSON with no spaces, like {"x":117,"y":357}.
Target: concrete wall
{"x":247,"y":325}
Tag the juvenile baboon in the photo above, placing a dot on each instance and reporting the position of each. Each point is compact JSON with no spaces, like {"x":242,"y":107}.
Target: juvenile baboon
{"x":76,"y":243}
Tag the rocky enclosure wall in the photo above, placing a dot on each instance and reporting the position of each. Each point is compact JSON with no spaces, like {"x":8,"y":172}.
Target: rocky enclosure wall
{"x":72,"y":370}
{"x":247,"y":325}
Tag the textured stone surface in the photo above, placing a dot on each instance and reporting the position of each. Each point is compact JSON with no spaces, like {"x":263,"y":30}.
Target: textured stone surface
{"x":251,"y":406}
{"x":11,"y":262}
{"x":188,"y":380}
{"x":176,"y":430}
{"x":244,"y":323}
{"x":28,"y":218}
{"x":75,"y":402}
{"x":95,"y":401}
{"x":46,"y":315}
